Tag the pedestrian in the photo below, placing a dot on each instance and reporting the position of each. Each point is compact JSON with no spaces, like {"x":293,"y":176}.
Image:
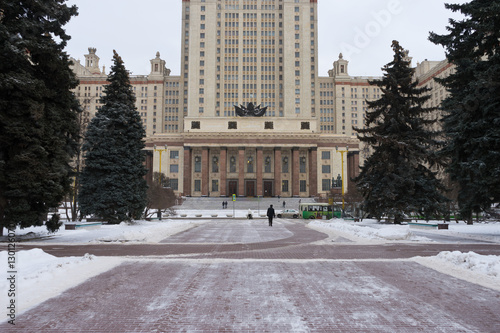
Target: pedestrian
{"x":223,"y":204}
{"x":284,"y":203}
{"x":270,"y":215}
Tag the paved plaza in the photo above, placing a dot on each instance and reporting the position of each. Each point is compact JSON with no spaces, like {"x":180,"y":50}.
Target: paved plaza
{"x":244,"y":276}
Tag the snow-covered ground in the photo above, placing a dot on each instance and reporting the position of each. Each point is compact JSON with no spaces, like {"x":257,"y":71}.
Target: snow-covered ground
{"x":138,"y":232}
{"x":371,"y":231}
{"x":41,"y":275}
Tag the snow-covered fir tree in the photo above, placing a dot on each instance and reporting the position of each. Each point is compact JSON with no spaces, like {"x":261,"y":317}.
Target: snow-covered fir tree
{"x":472,"y":111}
{"x":112,"y":182}
{"x":397,"y":178}
{"x":38,"y":111}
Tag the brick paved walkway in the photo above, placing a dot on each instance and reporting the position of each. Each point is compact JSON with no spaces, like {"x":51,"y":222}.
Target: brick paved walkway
{"x":284,"y":284}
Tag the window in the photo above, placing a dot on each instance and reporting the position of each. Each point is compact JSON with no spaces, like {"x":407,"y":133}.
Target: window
{"x":232,"y":164}
{"x":215,"y":185}
{"x":284,"y":165}
{"x":284,"y":186}
{"x":303,"y":186}
{"x":325,"y":155}
{"x":174,"y":184}
{"x":195,"y":125}
{"x":232,"y":125}
{"x":197,"y":185}
{"x":197,"y":164}
{"x":325,"y":185}
{"x":268,"y":125}
{"x":325,"y":169}
{"x":215,"y":164}
{"x":267,"y":164}
{"x":250,"y":164}
{"x":302,"y":164}
{"x":174,"y":168}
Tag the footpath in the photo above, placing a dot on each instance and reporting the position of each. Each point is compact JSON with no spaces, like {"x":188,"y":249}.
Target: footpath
{"x":208,"y":279}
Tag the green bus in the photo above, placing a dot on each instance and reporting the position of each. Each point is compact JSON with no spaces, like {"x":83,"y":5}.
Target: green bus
{"x":316,"y":210}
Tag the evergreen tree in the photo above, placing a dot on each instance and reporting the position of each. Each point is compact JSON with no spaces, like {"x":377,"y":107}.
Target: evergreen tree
{"x":38,"y":111}
{"x":112,"y":181}
{"x":397,"y":178}
{"x":472,"y":111}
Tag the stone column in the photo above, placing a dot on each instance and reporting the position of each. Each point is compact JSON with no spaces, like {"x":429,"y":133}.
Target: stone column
{"x":352,"y":168}
{"x":241,"y":172}
{"x":205,"y":171}
{"x":277,"y":171}
{"x":187,"y":171}
{"x":149,"y":166}
{"x":295,"y":172}
{"x":223,"y":171}
{"x":260,"y":163}
{"x":313,"y":171}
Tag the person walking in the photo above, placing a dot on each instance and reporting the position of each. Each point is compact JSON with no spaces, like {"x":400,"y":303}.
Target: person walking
{"x":270,"y":215}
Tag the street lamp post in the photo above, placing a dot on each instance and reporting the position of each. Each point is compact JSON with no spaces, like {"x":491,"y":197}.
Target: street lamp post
{"x":342,"y":179}
{"x":160,"y":151}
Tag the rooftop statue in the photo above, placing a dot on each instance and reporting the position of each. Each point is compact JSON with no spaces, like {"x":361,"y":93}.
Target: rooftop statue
{"x":250,"y":110}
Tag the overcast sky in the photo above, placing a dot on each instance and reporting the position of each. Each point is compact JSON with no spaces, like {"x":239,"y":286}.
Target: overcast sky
{"x":361,"y":29}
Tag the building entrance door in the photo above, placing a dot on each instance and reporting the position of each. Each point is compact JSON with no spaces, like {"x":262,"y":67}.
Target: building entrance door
{"x":250,"y":188}
{"x":268,"y":188}
{"x":232,"y":187}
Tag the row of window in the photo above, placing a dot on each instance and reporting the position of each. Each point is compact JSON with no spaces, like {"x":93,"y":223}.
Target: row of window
{"x":250,"y":165}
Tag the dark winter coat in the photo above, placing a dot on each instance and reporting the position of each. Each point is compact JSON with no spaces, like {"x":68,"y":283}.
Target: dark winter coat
{"x":270,"y":212}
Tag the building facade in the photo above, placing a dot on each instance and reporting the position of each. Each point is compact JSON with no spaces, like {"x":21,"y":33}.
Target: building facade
{"x":236,"y":52}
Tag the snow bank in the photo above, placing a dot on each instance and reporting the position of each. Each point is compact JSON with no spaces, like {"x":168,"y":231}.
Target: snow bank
{"x":392,"y":232}
{"x":475,"y":268}
{"x":41,"y":276}
{"x":486,"y":265}
{"x":139,"y":231}
{"x":145,"y":232}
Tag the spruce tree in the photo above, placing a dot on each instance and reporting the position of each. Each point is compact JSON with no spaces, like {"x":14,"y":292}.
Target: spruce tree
{"x":472,"y":110}
{"x":112,"y":182}
{"x":38,"y":111}
{"x":397,"y":178}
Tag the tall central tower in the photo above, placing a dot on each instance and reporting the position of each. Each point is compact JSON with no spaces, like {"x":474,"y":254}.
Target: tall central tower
{"x":240,"y":51}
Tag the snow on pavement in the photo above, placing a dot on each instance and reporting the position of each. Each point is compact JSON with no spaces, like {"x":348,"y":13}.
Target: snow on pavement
{"x":41,"y":276}
{"x":472,"y":267}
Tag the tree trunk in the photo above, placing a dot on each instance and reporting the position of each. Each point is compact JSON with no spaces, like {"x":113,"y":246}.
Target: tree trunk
{"x":2,"y":209}
{"x":470,"y":218}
